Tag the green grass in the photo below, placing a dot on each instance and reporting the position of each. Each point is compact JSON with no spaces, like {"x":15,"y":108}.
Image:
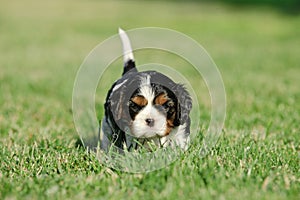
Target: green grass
{"x":42,"y":45}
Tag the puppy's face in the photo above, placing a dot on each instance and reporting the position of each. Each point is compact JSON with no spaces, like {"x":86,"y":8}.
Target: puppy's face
{"x":153,"y":110}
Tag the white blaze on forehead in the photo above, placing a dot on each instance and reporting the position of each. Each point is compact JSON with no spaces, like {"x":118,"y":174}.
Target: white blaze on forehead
{"x":146,"y":89}
{"x":145,"y":80}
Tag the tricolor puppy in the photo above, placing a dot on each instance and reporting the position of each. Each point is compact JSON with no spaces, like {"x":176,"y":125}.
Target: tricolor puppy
{"x":144,"y":106}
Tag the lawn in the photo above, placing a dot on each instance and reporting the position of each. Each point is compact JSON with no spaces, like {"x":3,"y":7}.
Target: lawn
{"x":42,"y":45}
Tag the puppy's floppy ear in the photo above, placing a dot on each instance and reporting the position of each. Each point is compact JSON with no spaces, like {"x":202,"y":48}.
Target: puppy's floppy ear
{"x":184,"y":104}
{"x":119,"y":98}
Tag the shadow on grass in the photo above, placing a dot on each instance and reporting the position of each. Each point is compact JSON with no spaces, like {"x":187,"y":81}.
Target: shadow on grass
{"x":78,"y":143}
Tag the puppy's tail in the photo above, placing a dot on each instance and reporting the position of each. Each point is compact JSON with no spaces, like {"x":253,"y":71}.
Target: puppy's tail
{"x":129,"y":63}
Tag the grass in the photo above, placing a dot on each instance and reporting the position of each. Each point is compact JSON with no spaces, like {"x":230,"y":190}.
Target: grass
{"x":42,"y":45}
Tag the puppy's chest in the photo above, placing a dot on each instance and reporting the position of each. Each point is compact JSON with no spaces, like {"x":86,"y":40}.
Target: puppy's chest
{"x":177,"y":136}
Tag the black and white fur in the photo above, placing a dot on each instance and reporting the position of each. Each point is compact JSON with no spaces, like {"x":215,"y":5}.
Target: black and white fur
{"x":144,"y":106}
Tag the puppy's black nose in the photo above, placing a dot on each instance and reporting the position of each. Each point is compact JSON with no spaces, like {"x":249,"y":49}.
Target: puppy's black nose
{"x":149,"y":122}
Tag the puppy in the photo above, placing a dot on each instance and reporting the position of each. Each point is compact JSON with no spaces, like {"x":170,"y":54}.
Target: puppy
{"x":143,"y":107}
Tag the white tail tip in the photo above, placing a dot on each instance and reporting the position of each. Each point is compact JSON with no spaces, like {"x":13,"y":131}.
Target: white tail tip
{"x":127,"y":50}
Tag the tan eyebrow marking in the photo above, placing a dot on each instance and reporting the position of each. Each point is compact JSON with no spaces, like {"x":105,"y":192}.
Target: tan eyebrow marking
{"x":139,"y":100}
{"x":161,"y":99}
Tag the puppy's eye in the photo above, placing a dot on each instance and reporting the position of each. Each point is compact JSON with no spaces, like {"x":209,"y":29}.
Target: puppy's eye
{"x":135,"y":107}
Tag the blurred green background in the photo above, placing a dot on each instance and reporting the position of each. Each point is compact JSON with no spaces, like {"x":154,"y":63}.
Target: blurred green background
{"x":287,"y":6}
{"x":256,"y":46}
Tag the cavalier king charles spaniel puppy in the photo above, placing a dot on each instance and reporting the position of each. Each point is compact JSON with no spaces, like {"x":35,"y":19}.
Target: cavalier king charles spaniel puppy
{"x":143,"y":107}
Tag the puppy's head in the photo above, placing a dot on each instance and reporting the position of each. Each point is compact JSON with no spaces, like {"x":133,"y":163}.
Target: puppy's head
{"x":147,"y":104}
{"x":154,"y":109}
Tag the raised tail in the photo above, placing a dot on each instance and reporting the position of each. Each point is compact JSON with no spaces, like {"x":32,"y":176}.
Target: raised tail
{"x":129,"y":63}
